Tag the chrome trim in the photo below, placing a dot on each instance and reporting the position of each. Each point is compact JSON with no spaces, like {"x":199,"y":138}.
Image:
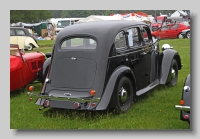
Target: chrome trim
{"x":182,"y":108}
{"x":83,"y":99}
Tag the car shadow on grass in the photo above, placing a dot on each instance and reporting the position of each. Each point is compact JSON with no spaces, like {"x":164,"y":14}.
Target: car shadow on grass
{"x":80,"y":114}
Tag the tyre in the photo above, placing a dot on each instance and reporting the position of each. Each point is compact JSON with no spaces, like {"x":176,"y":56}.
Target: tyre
{"x":188,"y":35}
{"x":30,"y":47}
{"x":123,"y":94}
{"x":180,"y":36}
{"x":173,"y":73}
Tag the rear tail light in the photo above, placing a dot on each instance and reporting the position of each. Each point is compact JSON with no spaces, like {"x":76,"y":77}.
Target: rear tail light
{"x":31,"y":88}
{"x":92,"y":104}
{"x":92,"y":92}
{"x":182,"y":102}
{"x":46,"y":103}
{"x":76,"y":105}
{"x":186,"y":116}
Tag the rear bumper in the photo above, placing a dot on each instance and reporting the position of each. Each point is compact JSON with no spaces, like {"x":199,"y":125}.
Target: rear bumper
{"x":82,"y":103}
{"x":182,"y":108}
{"x":81,"y":99}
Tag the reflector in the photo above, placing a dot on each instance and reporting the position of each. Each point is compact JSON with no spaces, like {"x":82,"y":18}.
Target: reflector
{"x":31,"y":88}
{"x":92,"y":92}
{"x":182,"y":102}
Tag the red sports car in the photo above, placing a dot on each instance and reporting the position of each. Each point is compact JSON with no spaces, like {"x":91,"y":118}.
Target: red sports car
{"x":24,"y":68}
{"x":170,"y":31}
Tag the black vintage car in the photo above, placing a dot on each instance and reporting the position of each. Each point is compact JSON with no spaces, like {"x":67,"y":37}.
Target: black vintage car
{"x":184,"y":106}
{"x":105,"y":64}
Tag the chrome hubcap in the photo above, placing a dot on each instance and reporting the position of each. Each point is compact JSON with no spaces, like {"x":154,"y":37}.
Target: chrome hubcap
{"x":123,"y":94}
{"x":173,"y":74}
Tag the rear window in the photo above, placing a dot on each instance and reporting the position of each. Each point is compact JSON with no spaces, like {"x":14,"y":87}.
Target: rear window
{"x":79,"y":43}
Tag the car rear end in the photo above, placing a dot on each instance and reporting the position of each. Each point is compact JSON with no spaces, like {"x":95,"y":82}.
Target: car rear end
{"x":184,"y":105}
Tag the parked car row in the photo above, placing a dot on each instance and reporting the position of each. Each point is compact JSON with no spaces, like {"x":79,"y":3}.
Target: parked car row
{"x":172,"y":31}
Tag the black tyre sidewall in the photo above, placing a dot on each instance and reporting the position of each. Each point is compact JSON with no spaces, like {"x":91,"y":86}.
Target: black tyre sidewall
{"x":174,"y":65}
{"x":126,"y":83}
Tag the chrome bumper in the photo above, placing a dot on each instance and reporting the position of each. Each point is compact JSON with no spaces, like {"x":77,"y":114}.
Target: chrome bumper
{"x":82,"y":99}
{"x":182,"y":108}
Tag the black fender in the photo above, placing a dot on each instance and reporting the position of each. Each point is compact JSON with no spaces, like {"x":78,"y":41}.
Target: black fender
{"x":116,"y":75}
{"x":42,"y":74}
{"x":186,"y":96}
{"x":186,"y":93}
{"x":166,"y":59}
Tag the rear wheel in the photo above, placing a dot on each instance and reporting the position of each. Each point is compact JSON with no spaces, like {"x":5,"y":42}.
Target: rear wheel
{"x":180,"y":36}
{"x":188,"y":35}
{"x":173,"y":73}
{"x":124,"y":94}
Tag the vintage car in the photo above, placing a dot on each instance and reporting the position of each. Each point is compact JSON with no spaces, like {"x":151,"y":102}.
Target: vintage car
{"x":170,"y":31}
{"x":186,"y":33}
{"x":24,"y":67}
{"x":104,"y":64}
{"x":22,"y":37}
{"x":184,"y":106}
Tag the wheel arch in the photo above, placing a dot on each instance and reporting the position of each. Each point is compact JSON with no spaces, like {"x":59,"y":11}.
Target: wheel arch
{"x":168,"y":56}
{"x":115,"y":77}
{"x":42,"y":74}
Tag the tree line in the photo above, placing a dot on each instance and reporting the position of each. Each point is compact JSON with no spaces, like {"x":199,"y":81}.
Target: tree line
{"x":35,"y":16}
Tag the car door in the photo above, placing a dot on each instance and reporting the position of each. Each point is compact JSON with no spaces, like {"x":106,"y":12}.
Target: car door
{"x":163,"y":32}
{"x":21,"y":37}
{"x":13,"y":37}
{"x":173,"y":31}
{"x":149,"y":53}
{"x":140,"y":55}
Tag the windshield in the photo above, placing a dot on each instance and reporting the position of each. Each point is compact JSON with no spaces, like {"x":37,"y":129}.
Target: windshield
{"x":64,"y":23}
{"x":14,"y":52}
{"x":159,"y":21}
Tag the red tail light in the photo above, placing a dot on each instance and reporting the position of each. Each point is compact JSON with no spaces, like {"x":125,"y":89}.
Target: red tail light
{"x":46,"y":103}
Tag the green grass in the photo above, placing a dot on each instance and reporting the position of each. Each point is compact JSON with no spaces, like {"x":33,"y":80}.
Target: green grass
{"x":153,"y":110}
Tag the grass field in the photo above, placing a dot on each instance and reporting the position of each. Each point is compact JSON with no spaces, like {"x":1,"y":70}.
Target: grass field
{"x":153,"y":110}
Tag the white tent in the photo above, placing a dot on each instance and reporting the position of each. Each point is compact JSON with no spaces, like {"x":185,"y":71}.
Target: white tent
{"x":178,"y":14}
{"x":99,"y":18}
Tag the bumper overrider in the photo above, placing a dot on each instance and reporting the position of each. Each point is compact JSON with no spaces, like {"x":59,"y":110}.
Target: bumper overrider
{"x":81,"y":103}
{"x":182,"y":108}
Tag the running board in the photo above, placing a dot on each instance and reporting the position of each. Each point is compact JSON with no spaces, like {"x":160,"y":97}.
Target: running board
{"x":151,"y":86}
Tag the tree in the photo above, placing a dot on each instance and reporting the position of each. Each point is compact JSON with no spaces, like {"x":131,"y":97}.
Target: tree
{"x":29,"y":16}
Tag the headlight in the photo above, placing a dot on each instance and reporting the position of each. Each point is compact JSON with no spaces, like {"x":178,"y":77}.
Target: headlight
{"x":166,"y":46}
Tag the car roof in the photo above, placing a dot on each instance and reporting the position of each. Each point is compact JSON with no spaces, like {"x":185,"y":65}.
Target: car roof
{"x":97,"y":27}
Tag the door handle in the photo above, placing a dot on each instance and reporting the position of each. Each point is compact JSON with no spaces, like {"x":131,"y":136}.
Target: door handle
{"x":143,"y":53}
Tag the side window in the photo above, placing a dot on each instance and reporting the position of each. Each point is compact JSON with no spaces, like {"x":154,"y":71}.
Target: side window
{"x":133,"y":37}
{"x":165,"y":28}
{"x":175,"y":26}
{"x":120,"y":41}
{"x":146,"y":35}
{"x":20,"y":32}
{"x":12,"y":32}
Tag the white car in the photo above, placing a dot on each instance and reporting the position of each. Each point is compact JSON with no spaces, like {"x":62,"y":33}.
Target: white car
{"x":186,"y":33}
{"x":22,"y":37}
